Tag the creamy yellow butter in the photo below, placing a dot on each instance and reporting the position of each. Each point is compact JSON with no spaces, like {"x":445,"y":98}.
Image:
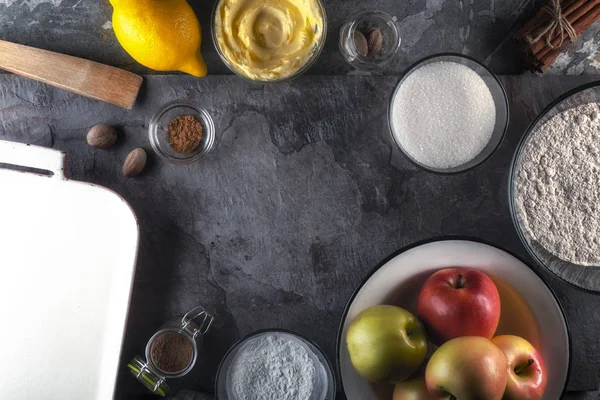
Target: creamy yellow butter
{"x":268,"y":39}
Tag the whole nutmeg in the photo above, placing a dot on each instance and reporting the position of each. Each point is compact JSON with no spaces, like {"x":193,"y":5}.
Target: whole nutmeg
{"x":102,"y":136}
{"x":360,"y":42}
{"x":374,"y":41}
{"x":134,"y":162}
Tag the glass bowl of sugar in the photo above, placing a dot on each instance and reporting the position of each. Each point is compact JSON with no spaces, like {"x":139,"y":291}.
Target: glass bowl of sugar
{"x":275,"y":364}
{"x":448,"y":113}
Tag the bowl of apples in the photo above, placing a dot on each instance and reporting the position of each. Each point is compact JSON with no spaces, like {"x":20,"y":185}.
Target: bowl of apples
{"x":453,"y":319}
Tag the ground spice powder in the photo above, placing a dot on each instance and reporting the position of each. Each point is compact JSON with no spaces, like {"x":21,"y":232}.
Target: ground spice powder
{"x":185,"y":133}
{"x":171,"y":352}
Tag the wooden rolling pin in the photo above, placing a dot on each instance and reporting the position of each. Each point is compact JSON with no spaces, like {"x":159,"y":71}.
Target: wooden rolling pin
{"x":84,"y":77}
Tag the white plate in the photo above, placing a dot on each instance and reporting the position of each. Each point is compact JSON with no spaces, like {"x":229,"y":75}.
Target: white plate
{"x":529,"y":308}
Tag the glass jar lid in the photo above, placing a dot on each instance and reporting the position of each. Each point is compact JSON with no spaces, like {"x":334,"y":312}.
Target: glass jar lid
{"x":154,"y":382}
{"x":196,"y":322}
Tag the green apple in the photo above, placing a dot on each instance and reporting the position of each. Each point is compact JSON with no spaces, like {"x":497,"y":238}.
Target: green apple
{"x":412,"y":389}
{"x":386,"y":343}
{"x":467,"y":368}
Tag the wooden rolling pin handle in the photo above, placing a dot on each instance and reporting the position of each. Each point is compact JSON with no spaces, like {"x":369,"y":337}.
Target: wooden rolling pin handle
{"x":84,"y":77}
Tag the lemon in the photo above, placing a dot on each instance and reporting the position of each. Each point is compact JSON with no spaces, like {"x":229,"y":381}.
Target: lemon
{"x":164,"y":35}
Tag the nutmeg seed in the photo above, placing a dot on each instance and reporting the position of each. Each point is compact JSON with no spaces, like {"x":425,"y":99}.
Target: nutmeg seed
{"x":135,"y":162}
{"x":374,"y":41}
{"x":102,"y":136}
{"x":360,"y":42}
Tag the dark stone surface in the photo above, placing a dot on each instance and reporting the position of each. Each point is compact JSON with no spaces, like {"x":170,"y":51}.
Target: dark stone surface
{"x":302,"y":196}
{"x":481,"y":29}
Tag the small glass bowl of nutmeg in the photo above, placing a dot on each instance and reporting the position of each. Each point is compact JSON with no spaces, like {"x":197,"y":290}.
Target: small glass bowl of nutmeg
{"x":370,"y":40}
{"x":181,"y":132}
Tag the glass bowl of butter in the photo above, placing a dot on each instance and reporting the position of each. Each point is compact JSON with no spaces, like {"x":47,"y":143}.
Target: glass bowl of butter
{"x":269,"y":40}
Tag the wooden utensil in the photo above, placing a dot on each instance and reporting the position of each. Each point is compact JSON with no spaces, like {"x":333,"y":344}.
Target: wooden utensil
{"x":84,"y":77}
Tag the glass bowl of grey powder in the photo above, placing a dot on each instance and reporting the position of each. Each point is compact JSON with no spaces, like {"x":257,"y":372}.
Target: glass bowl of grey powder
{"x":448,"y":113}
{"x":275,"y":365}
{"x":554,"y":188}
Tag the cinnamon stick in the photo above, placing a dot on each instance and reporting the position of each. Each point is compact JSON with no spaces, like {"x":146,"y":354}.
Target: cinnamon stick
{"x":573,"y":19}
{"x":575,"y":7}
{"x":579,"y":26}
{"x":548,"y":58}
{"x":540,"y":20}
{"x":580,"y":14}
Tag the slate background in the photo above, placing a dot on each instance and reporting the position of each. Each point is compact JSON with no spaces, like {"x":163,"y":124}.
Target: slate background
{"x":305,"y":191}
{"x":303,"y":195}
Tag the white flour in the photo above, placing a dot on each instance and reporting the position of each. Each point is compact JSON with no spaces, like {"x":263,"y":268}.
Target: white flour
{"x":273,"y":367}
{"x":558,"y":185}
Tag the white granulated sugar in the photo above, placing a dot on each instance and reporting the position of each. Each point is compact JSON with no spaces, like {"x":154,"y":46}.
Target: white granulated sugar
{"x":558,"y":185}
{"x":273,"y":367}
{"x":443,"y":115}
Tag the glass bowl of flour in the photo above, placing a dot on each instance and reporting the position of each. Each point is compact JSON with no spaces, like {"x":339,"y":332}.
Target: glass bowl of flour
{"x":554,"y":188}
{"x":448,"y":113}
{"x":275,"y":365}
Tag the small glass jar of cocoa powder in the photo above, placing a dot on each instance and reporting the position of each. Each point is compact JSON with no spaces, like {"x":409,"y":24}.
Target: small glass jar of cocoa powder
{"x":172,"y":351}
{"x":181,"y":132}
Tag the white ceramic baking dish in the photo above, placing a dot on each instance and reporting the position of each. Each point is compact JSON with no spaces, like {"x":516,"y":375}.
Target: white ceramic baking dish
{"x":67,"y":254}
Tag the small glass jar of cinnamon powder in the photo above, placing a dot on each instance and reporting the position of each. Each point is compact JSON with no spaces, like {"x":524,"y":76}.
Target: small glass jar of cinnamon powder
{"x":181,"y":132}
{"x":172,"y":351}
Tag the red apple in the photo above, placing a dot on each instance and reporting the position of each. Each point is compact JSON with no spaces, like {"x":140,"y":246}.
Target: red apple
{"x":457,"y":302}
{"x":467,"y":368}
{"x":526,"y":371}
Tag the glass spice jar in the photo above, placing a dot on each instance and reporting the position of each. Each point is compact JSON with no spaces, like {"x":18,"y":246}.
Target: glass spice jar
{"x":172,"y":351}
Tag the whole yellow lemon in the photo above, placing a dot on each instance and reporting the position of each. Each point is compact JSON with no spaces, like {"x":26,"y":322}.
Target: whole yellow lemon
{"x":164,"y":35}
